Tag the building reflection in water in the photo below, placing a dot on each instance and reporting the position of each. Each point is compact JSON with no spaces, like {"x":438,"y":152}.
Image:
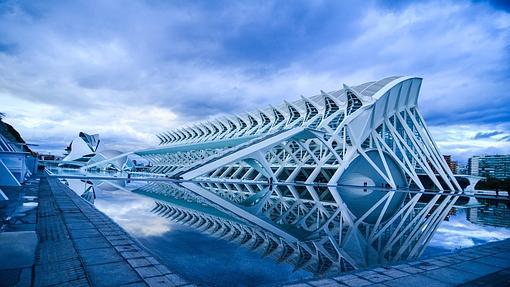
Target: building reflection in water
{"x":494,"y":212}
{"x":317,"y":228}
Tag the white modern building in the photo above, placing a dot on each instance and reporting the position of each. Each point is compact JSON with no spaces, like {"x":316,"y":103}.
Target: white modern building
{"x":88,"y":152}
{"x":322,"y":176}
{"x":81,"y":150}
{"x":324,"y":168}
{"x":371,"y":134}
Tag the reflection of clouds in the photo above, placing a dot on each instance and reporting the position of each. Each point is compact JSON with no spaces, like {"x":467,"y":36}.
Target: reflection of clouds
{"x":129,"y":210}
{"x":460,"y":233}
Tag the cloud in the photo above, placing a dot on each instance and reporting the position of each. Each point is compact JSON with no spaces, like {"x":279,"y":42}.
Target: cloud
{"x":128,"y":209}
{"x":107,"y":67}
{"x":461,"y":140}
{"x":483,"y":135}
{"x":460,"y":233}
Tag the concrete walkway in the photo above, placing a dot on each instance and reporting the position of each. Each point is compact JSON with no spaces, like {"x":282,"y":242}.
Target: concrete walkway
{"x":484,"y":265}
{"x":81,"y":246}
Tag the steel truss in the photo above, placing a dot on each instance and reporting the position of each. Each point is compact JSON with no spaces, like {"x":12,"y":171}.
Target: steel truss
{"x":335,"y":161}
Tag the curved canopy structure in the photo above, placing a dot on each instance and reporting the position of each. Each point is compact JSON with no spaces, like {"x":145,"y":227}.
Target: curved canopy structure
{"x":82,"y":149}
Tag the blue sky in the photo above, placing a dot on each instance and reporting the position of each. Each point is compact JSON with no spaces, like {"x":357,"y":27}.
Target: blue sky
{"x":130,"y":69}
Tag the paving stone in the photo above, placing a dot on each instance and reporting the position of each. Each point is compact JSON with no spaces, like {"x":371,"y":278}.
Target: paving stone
{"x":162,"y":269}
{"x":176,"y":279}
{"x":409,"y":269}
{"x":54,"y":251}
{"x":365,"y":273}
{"x":424,"y":265}
{"x":475,"y":268}
{"x":131,"y":248}
{"x":438,"y":262}
{"x":323,"y":282}
{"x":116,"y":237}
{"x":355,"y":282}
{"x":149,"y":271}
{"x":152,"y":260}
{"x":99,"y":256}
{"x":78,"y":217}
{"x":121,"y":242}
{"x":113,"y":233}
{"x":83,"y":225}
{"x":470,"y":254}
{"x":462,"y":257}
{"x":90,"y":243}
{"x":82,"y":233}
{"x":135,"y":254}
{"x":395,"y":273}
{"x":450,"y":276}
{"x":111,"y":274}
{"x":50,"y":273}
{"x":450,"y":259}
{"x":136,"y":284}
{"x":82,"y":282}
{"x":159,"y":281}
{"x":416,"y":280}
{"x":377,"y":278}
{"x":345,"y":277}
{"x":140,"y":262}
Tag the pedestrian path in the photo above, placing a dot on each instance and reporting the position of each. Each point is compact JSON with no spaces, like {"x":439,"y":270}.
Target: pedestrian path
{"x":81,"y":246}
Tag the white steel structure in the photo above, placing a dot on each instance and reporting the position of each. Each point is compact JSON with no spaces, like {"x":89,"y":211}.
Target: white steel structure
{"x":313,"y":140}
{"x":321,"y":171}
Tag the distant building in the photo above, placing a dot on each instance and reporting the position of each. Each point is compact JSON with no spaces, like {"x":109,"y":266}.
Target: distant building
{"x":452,"y":164}
{"x":81,"y":150}
{"x":88,"y":151}
{"x":490,"y":166}
{"x":462,"y":168}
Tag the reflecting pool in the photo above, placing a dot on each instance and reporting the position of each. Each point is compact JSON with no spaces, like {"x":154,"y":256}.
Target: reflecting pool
{"x":226,"y":234}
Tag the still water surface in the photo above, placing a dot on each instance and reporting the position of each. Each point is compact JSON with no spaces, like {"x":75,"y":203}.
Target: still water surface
{"x":190,"y":250}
